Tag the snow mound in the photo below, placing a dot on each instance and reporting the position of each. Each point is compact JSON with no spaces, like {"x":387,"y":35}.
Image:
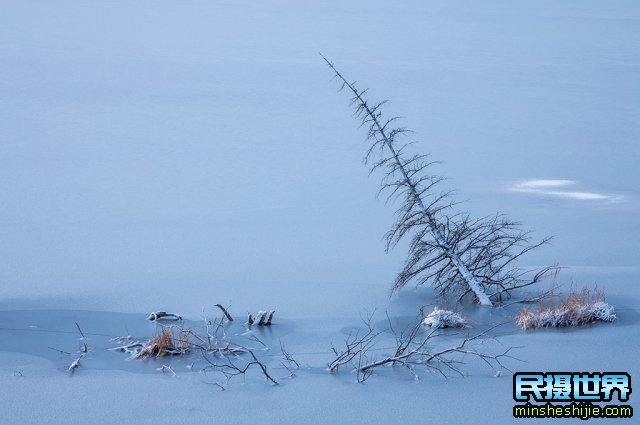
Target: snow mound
{"x":444,"y":319}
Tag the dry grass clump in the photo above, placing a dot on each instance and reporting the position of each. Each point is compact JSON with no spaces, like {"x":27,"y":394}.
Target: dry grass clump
{"x":580,"y":308}
{"x":166,"y":343}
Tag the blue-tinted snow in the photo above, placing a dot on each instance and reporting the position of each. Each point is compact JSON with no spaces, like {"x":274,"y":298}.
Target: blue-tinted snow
{"x":172,"y":155}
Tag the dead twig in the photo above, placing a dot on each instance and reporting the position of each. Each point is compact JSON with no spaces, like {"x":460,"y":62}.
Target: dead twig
{"x":85,"y":348}
{"x":230,"y":369}
{"x":165,"y":368}
{"x":355,"y":344}
{"x":288,"y":357}
{"x":75,"y":364}
{"x":225,"y":312}
{"x":59,"y":351}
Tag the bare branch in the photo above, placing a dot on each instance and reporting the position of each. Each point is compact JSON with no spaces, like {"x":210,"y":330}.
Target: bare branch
{"x":288,"y":357}
{"x":85,"y":348}
{"x":413,"y":350}
{"x":225,"y":312}
{"x":75,"y":364}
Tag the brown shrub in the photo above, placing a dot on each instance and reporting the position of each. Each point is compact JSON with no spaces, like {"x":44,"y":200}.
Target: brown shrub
{"x":166,"y":343}
{"x":580,"y":308}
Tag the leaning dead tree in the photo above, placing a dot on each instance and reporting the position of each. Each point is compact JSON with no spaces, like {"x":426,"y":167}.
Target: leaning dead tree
{"x":452,"y":251}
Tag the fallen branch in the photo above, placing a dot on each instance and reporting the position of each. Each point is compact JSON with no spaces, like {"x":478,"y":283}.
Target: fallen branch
{"x":59,"y":351}
{"x":287,"y":356}
{"x":128,"y":348}
{"x":229,"y":369}
{"x":225,"y":312}
{"x":84,"y":348}
{"x":412,"y":351}
{"x":165,"y":367}
{"x":355,"y":345}
{"x":75,"y":364}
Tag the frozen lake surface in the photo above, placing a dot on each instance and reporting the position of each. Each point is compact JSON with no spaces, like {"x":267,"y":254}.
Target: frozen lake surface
{"x":175,"y":155}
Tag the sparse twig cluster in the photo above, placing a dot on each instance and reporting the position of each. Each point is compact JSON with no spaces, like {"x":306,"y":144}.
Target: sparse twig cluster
{"x":82,"y":351}
{"x":354,"y":354}
{"x":213,"y":345}
{"x":414,"y":348}
{"x":288,"y":362}
{"x":231,"y":366}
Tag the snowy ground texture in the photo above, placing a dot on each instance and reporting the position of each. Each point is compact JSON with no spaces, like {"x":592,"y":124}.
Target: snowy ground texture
{"x":173,"y":155}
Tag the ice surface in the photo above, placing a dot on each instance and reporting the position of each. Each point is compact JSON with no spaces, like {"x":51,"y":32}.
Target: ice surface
{"x":175,"y":155}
